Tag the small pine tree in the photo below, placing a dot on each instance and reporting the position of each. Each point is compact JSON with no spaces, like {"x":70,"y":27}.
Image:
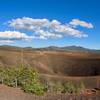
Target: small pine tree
{"x":29,"y":81}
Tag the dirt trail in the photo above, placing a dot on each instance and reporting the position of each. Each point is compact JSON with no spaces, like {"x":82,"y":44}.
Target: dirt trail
{"x":9,"y":93}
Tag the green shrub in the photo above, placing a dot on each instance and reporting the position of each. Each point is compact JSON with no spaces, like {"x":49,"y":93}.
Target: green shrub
{"x":33,"y":87}
{"x":69,"y":87}
{"x":58,"y":88}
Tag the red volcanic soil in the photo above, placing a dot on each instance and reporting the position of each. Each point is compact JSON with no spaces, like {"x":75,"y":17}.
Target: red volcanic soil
{"x":10,"y":93}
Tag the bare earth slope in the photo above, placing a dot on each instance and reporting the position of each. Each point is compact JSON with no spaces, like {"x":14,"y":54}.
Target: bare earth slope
{"x":56,"y":65}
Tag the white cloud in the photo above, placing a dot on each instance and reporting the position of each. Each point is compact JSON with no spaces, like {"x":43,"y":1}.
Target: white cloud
{"x":44,"y":28}
{"x":77,"y":22}
{"x":14,"y":35}
{"x":28,"y":23}
{"x":45,"y":35}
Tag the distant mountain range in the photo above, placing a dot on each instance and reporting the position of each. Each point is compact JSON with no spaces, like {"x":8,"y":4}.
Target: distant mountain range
{"x":69,"y":48}
{"x":55,"y":48}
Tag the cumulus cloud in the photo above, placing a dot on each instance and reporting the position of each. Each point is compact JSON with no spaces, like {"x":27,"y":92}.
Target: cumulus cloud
{"x":28,"y":23}
{"x":46,"y":35}
{"x":14,"y":35}
{"x":77,"y":22}
{"x":44,"y":28}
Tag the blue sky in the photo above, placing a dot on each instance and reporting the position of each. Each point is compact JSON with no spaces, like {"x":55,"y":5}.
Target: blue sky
{"x":81,"y":13}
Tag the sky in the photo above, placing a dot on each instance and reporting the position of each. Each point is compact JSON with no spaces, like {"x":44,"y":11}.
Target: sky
{"x":42,"y":23}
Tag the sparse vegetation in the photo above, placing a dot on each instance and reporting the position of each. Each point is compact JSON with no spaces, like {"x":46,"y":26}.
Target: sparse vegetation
{"x":28,"y":79}
{"x":69,"y":87}
{"x":58,"y":88}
